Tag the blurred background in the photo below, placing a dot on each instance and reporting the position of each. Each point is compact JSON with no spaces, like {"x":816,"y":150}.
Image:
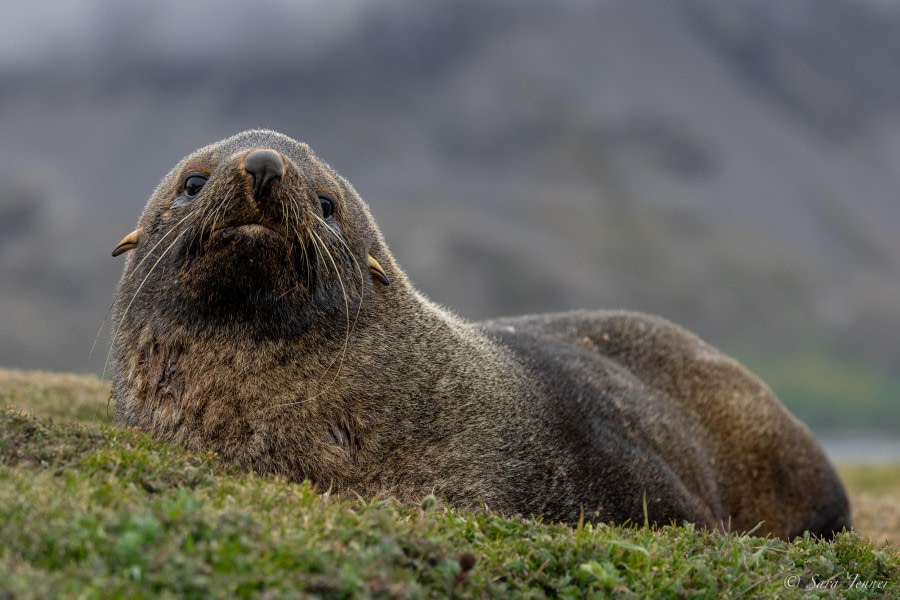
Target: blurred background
{"x":732,"y":166}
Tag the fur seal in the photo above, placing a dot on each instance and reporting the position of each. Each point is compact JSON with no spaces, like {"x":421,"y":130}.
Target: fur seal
{"x":261,"y":315}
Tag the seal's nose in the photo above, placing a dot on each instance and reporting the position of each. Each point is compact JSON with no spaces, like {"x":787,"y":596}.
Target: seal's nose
{"x":266,"y":167}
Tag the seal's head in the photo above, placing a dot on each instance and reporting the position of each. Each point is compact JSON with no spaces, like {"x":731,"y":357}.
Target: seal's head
{"x":252,"y":256}
{"x":241,"y":233}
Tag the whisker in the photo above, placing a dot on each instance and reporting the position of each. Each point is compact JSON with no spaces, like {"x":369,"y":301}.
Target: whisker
{"x":359,"y":271}
{"x":349,"y":251}
{"x":286,"y":292}
{"x":284,"y":218}
{"x":220,"y":214}
{"x":127,"y":308}
{"x":156,"y":245}
{"x":128,"y":277}
{"x":286,"y":224}
{"x":201,"y":217}
{"x":102,"y":323}
{"x":295,"y":209}
{"x":343,"y":352}
{"x":320,"y":245}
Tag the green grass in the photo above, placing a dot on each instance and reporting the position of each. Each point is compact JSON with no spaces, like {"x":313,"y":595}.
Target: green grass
{"x":112,"y":513}
{"x":58,"y":395}
{"x":95,"y":511}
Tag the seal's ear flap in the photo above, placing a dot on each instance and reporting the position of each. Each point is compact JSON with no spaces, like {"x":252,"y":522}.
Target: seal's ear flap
{"x":377,"y":272}
{"x":129,"y":242}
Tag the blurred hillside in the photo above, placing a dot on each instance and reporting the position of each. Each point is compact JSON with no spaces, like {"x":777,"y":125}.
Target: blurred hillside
{"x":731,"y":166}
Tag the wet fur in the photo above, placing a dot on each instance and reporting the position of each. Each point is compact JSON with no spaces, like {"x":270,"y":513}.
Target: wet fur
{"x":288,"y":357}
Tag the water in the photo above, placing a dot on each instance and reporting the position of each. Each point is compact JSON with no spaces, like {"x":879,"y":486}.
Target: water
{"x":854,"y":450}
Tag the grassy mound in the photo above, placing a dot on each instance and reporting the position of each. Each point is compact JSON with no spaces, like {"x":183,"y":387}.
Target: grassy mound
{"x":57,"y":395}
{"x":97,"y":511}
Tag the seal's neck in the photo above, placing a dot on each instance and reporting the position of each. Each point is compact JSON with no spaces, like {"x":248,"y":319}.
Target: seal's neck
{"x":426,"y":360}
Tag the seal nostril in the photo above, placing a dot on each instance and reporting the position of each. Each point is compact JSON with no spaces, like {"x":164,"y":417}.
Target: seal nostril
{"x":266,"y":167}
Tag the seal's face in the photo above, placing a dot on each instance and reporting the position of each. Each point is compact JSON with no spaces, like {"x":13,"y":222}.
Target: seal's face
{"x":252,"y":267}
{"x":248,"y":232}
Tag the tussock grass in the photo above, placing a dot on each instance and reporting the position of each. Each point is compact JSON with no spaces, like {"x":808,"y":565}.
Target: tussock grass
{"x":97,"y":511}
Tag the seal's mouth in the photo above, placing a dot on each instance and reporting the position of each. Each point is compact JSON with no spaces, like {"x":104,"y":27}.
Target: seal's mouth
{"x":268,"y":247}
{"x":252,"y":228}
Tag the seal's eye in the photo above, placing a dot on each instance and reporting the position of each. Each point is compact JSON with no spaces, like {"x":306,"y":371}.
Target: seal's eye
{"x":327,"y":205}
{"x":193,"y":184}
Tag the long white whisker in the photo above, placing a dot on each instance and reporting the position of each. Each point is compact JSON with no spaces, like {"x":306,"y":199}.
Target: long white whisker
{"x":343,"y":353}
{"x":167,"y":234}
{"x":128,"y":277}
{"x":127,"y":308}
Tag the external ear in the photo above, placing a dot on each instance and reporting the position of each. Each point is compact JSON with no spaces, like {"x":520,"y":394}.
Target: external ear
{"x":377,"y":272}
{"x":129,"y":242}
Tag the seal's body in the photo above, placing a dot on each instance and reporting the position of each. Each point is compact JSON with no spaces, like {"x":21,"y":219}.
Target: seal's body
{"x":261,"y":315}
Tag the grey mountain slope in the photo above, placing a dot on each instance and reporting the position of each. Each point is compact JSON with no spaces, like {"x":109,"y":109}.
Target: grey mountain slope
{"x":734,"y":169}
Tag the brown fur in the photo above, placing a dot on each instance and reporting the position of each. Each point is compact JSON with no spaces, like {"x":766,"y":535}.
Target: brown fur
{"x":278,"y":349}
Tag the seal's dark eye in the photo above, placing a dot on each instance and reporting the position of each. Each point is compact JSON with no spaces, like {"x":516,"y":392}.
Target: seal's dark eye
{"x":327,"y":205}
{"x":193,"y":184}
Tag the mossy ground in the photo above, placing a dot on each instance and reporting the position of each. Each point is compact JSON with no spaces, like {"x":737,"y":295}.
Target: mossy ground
{"x":91,"y":510}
